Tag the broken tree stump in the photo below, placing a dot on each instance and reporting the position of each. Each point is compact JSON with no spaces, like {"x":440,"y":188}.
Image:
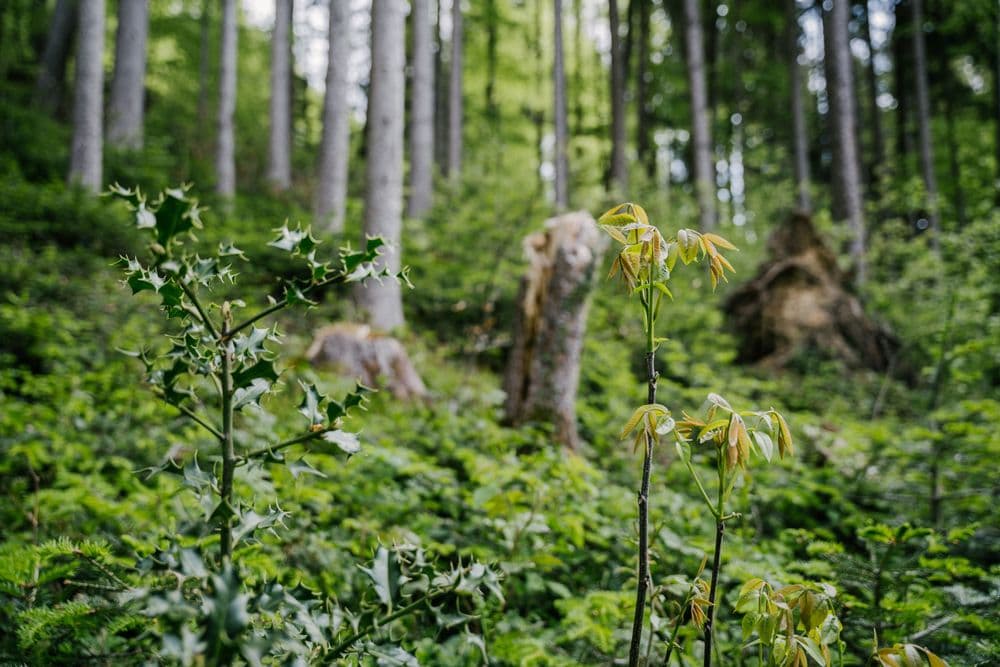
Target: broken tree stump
{"x":378,"y":360}
{"x":800,"y":300}
{"x":543,"y":368}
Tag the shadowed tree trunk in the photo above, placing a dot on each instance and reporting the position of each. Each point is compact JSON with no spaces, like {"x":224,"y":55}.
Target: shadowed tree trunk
{"x":925,"y":139}
{"x":559,"y":110}
{"x":331,"y":188}
{"x":421,"y":111}
{"x":491,"y":16}
{"x":440,"y":96}
{"x":800,"y":140}
{"x":701,"y":129}
{"x":225,"y":151}
{"x":279,"y":169}
{"x":128,"y":86}
{"x":619,"y":167}
{"x":455,"y":94}
{"x":874,"y":113}
{"x":51,"y":83}
{"x":87,"y":150}
{"x":382,"y":302}
{"x":846,"y":166}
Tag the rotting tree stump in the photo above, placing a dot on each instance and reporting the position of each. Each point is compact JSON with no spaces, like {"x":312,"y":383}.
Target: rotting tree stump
{"x":800,"y":300}
{"x":543,"y":368}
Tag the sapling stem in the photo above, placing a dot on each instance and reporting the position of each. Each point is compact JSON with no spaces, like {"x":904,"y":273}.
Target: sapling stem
{"x":720,"y":529}
{"x":228,"y":453}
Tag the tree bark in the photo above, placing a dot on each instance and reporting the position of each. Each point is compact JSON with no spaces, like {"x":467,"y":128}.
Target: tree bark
{"x":619,"y":166}
{"x":441,"y":100}
{"x":279,"y":170}
{"x":643,"y":147}
{"x":846,"y":166}
{"x":924,"y":123}
{"x":87,"y":150}
{"x":559,"y":110}
{"x":382,"y":302}
{"x":128,"y":86}
{"x":701,"y":129}
{"x":421,"y":111}
{"x":331,"y":188}
{"x":51,"y":83}
{"x":800,"y":140}
{"x":225,"y":153}
{"x":875,"y":114}
{"x":455,"y":94}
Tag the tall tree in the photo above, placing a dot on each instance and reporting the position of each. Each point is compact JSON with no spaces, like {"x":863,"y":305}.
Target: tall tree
{"x":51,"y":82}
{"x":874,"y":113}
{"x":441,"y":99}
{"x":643,"y":145}
{"x":455,"y":93}
{"x":279,"y":168}
{"x":421,"y":110}
{"x":384,"y":167}
{"x":847,"y":202}
{"x":87,"y":150}
{"x":128,"y":86}
{"x":619,"y":166}
{"x":204,"y":56}
{"x":701,"y":128}
{"x":225,"y":151}
{"x":491,"y":16}
{"x":925,"y":140}
{"x":559,"y":111}
{"x":800,"y":141}
{"x":331,"y":188}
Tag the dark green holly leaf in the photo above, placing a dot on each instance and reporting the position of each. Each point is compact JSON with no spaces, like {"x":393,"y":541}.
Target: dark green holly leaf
{"x":298,"y":241}
{"x":230,"y":250}
{"x":263,"y":369}
{"x":294,"y":295}
{"x":251,"y":394}
{"x":384,"y":574}
{"x":302,"y":467}
{"x":311,"y":401}
{"x":175,"y":214}
{"x":252,"y":345}
{"x":348,"y":442}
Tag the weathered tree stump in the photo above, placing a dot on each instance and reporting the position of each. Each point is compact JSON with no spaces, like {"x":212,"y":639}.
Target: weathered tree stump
{"x":543,"y":368}
{"x":799,"y":300}
{"x":379,"y":360}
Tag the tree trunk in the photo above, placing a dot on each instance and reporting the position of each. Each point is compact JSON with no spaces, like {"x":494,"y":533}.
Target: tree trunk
{"x":559,"y":110}
{"x":577,"y":85}
{"x":904,"y":142}
{"x":384,"y":167}
{"x":128,"y":86}
{"x":225,"y":155}
{"x":279,"y":169}
{"x":51,"y":83}
{"x":491,"y":17}
{"x":642,"y":144}
{"x":455,"y":94}
{"x":924,"y":123}
{"x":619,"y":166}
{"x":875,"y":114}
{"x":331,"y":188}
{"x":421,"y":111}
{"x":800,"y":140}
{"x":87,"y":151}
{"x":551,"y":318}
{"x":441,"y":100}
{"x":701,"y":129}
{"x":846,"y":167}
{"x":204,"y":64}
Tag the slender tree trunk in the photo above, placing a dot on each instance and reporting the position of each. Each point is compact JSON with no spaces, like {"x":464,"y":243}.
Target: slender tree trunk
{"x":225,"y":155}
{"x":87,"y":151}
{"x":875,"y":114}
{"x":701,"y":129}
{"x":455,"y":94}
{"x":421,"y":111}
{"x":128,"y":86}
{"x":384,"y":167}
{"x":559,"y":110}
{"x":204,"y":64}
{"x":279,"y":170}
{"x":619,"y":166}
{"x":441,"y":100}
{"x":904,"y":97}
{"x":642,"y":140}
{"x":800,"y":140}
{"x":331,"y":188}
{"x":924,"y":123}
{"x":577,"y":67}
{"x":51,"y":83}
{"x":492,"y":38}
{"x":846,"y":166}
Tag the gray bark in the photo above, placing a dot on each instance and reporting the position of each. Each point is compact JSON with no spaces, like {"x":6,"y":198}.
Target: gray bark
{"x":846,"y":166}
{"x":331,"y":189}
{"x":543,"y":369}
{"x":421,"y":110}
{"x":87,"y":150}
{"x":279,"y":170}
{"x":51,"y":83}
{"x":800,"y":141}
{"x":225,"y":155}
{"x":455,"y":93}
{"x":878,"y":138}
{"x":559,"y":110}
{"x":384,"y":167}
{"x":128,"y":86}
{"x":925,"y":140}
{"x":701,"y":129}
{"x":619,"y":166}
